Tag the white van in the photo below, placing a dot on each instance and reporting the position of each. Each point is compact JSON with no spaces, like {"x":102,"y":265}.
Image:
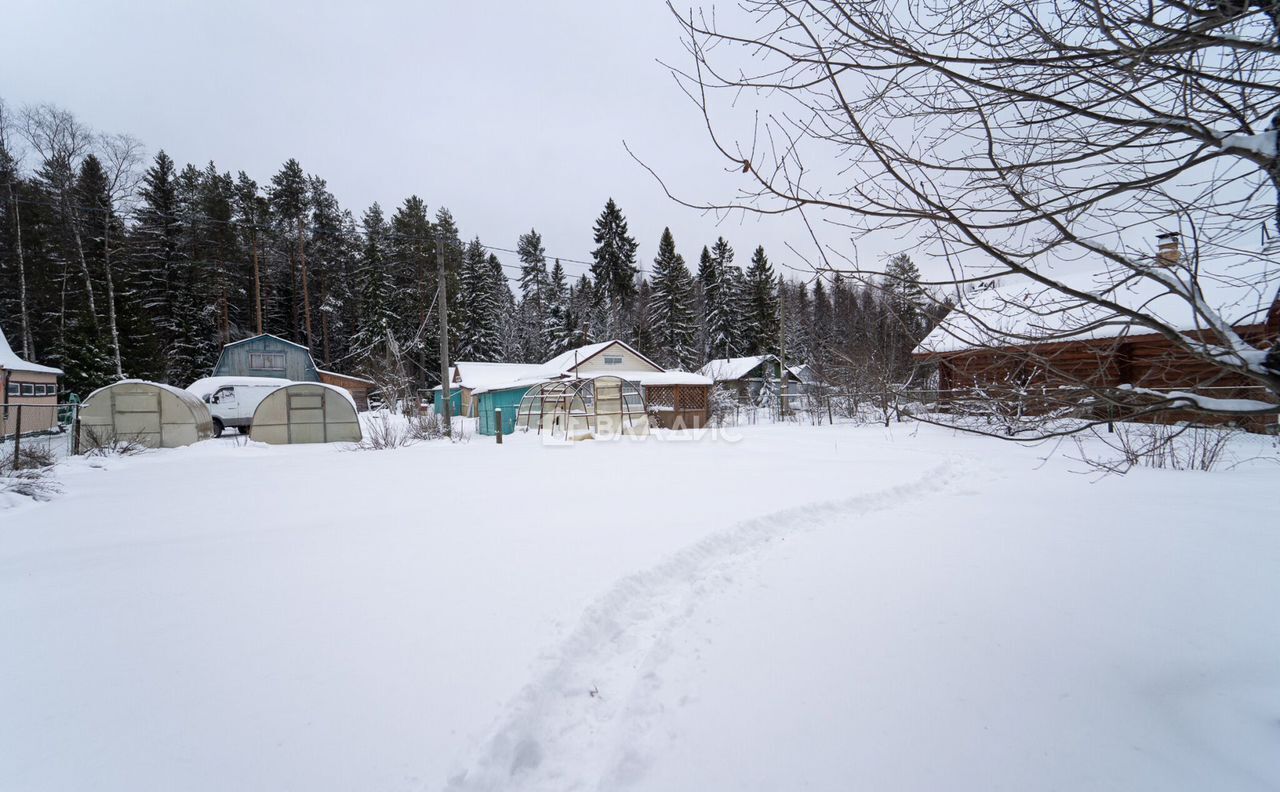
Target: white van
{"x":232,"y":400}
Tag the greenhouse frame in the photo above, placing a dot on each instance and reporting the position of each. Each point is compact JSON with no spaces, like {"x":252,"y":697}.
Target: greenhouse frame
{"x":584,"y":409}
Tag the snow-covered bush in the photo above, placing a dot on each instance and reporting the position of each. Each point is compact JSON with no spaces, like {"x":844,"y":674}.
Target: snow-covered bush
{"x":724,"y":404}
{"x":1162,"y":446}
{"x":31,"y":474}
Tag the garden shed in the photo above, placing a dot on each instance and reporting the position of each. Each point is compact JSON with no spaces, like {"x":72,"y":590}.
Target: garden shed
{"x":306,"y":412}
{"x":506,"y":399}
{"x":584,"y":409}
{"x":29,"y":386}
{"x":155,"y":415}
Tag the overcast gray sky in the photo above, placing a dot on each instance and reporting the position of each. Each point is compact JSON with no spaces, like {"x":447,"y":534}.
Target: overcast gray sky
{"x":511,"y":114}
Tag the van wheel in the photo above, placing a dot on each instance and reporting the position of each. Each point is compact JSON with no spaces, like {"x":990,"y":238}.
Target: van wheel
{"x":217,"y":428}
{"x":242,"y":429}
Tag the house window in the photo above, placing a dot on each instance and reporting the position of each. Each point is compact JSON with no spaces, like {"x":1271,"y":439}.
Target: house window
{"x":613,"y":360}
{"x":40,"y":390}
{"x":28,"y":389}
{"x":266,"y":361}
{"x":15,"y":389}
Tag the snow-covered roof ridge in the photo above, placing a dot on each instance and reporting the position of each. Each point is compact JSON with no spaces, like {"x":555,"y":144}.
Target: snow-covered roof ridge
{"x":268,"y":335}
{"x":1022,"y":312}
{"x":723,"y":369}
{"x":10,"y":361}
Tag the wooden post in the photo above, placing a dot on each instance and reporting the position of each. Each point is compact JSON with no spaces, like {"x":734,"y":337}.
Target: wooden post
{"x":17,"y":439}
{"x":497,"y":420}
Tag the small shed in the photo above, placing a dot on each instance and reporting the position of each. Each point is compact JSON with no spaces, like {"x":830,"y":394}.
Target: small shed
{"x":30,"y":385}
{"x":155,"y":415}
{"x":306,"y":412}
{"x":506,"y":399}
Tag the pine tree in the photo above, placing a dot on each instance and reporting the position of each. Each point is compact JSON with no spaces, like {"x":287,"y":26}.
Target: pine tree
{"x":760,"y":327}
{"x":671,"y":319}
{"x":614,"y":269}
{"x":288,"y":197}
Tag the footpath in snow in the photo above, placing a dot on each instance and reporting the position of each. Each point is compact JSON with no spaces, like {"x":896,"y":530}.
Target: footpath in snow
{"x":811,"y":607}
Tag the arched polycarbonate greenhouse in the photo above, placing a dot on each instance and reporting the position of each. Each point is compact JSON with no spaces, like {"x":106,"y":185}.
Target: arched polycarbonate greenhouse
{"x":148,"y":413}
{"x":584,"y":409}
{"x":306,"y":412}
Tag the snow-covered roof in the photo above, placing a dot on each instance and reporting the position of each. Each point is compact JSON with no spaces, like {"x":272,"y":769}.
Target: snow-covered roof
{"x":482,"y":376}
{"x":566,"y":362}
{"x":1023,"y":312}
{"x":9,"y":360}
{"x":725,"y":369}
{"x":339,"y":374}
{"x":204,"y":387}
{"x":654,"y":377}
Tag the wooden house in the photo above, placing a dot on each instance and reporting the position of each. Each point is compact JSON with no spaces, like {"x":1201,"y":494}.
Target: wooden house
{"x":1019,"y":339}
{"x":30,"y":385}
{"x":754,"y":377}
{"x":267,"y":355}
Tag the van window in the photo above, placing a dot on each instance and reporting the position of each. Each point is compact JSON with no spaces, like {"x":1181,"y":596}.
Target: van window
{"x":224,"y":396}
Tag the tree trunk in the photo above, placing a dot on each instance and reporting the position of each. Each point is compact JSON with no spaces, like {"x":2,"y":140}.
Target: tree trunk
{"x":84,"y":267}
{"x":28,"y":344}
{"x":257,"y":281}
{"x":111,"y":296}
{"x":306,"y":289}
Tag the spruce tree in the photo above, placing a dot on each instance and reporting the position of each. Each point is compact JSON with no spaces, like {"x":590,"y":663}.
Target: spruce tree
{"x":614,"y":269}
{"x":532,"y":313}
{"x":720,"y":290}
{"x":376,"y":319}
{"x":479,"y":307}
{"x":555,"y":325}
{"x":672,"y":326}
{"x":760,"y":297}
{"x":288,"y":196}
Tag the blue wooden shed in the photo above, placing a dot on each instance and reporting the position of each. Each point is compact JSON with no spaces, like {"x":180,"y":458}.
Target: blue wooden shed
{"x":267,"y":356}
{"x":455,"y":401}
{"x":506,"y":399}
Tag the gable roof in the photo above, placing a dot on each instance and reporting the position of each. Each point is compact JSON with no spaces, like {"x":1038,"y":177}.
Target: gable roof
{"x":10,"y":361}
{"x":1023,"y":313}
{"x":726,"y":369}
{"x":268,"y":335}
{"x":566,"y":362}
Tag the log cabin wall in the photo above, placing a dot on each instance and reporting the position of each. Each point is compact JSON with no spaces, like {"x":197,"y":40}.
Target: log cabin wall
{"x":1147,"y":361}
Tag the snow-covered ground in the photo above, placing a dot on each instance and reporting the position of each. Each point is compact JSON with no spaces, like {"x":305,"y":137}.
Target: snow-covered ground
{"x":807,"y":608}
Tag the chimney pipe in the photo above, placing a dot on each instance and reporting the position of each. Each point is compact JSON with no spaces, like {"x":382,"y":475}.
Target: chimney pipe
{"x":1169,"y":252}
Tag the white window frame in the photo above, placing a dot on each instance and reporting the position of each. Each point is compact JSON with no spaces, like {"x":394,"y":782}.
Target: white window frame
{"x":612,"y":360}
{"x":28,"y":389}
{"x":14,"y":389}
{"x":261,"y":361}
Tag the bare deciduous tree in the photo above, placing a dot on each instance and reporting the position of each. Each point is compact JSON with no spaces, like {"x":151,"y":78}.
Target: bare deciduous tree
{"x":1020,"y":141}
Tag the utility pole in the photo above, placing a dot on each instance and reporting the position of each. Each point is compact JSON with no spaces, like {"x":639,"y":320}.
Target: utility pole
{"x":782,"y":351}
{"x":442,"y":299}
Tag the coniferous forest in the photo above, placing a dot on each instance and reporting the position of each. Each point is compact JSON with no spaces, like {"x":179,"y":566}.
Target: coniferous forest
{"x":115,"y":263}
